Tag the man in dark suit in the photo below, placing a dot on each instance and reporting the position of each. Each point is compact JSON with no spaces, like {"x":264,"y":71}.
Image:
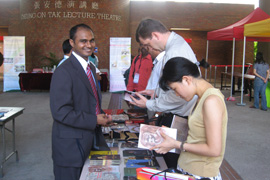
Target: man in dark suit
{"x":75,"y":105}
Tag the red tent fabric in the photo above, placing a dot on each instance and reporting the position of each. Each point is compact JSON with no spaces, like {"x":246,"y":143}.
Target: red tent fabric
{"x":236,"y":30}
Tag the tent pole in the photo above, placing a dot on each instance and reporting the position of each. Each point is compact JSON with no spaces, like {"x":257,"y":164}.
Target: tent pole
{"x":207,"y":46}
{"x":243,"y":68}
{"x":232,"y":72}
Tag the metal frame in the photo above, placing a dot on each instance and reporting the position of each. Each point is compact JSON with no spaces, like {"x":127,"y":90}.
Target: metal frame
{"x":10,"y":115}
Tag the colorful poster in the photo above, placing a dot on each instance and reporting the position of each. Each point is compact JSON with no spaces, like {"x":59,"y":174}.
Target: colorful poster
{"x":120,"y":60}
{"x":14,"y":61}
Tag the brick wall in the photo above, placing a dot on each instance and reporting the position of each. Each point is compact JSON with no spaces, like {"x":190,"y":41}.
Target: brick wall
{"x":46,"y":27}
{"x":8,"y":9}
{"x":44,"y":35}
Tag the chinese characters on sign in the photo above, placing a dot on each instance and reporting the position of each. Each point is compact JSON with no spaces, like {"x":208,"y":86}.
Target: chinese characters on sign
{"x":62,"y":4}
{"x":70,"y":4}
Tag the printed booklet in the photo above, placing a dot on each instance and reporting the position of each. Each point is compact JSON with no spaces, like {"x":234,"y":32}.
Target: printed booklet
{"x":150,"y":136}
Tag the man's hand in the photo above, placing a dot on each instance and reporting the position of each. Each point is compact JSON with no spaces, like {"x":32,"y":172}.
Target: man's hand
{"x":148,"y":92}
{"x":139,"y":102}
{"x":104,"y":119}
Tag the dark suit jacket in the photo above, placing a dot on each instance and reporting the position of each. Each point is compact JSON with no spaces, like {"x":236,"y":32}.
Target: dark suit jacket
{"x":73,"y":105}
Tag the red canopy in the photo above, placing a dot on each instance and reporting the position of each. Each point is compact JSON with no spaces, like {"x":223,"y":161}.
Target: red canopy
{"x":236,"y":30}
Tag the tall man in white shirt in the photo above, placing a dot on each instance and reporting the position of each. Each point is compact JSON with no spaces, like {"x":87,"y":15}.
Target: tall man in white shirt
{"x":154,"y":35}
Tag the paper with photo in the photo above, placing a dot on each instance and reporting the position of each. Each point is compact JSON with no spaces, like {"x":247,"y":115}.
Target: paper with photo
{"x":150,"y":136}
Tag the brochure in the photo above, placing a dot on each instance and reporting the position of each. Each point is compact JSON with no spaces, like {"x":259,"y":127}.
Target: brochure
{"x":150,"y":136}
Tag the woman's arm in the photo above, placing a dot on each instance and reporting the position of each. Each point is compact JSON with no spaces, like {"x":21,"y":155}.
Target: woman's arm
{"x":256,"y":74}
{"x":267,"y":76}
{"x":213,"y":111}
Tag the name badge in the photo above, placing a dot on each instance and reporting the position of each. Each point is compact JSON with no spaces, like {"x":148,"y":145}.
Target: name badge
{"x":136,"y":78}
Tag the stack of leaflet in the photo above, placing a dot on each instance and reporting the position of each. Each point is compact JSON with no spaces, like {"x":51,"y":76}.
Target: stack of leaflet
{"x":2,"y":112}
{"x":131,"y":144}
{"x":137,"y":115}
{"x":145,"y":174}
{"x":136,"y":158}
{"x":107,"y":160}
{"x":104,"y":164}
{"x":112,"y":144}
{"x":120,"y":118}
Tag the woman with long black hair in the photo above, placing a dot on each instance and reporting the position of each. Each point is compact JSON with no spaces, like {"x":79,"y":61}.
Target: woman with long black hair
{"x":261,"y":72}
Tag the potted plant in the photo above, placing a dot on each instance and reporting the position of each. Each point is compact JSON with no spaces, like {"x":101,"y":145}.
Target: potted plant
{"x":52,"y":59}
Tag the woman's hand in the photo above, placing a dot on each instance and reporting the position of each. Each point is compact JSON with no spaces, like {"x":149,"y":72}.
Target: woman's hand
{"x":167,"y":144}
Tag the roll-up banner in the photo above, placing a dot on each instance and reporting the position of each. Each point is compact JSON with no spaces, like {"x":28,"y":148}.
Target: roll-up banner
{"x":14,"y":61}
{"x":120,"y":60}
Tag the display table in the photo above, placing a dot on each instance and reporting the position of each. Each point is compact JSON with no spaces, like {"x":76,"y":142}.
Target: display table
{"x":248,"y":81}
{"x":10,"y":114}
{"x":84,"y":173}
{"x":35,"y":81}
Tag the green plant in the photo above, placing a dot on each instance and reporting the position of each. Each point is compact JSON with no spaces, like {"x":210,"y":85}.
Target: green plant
{"x":255,"y":50}
{"x":53,"y":60}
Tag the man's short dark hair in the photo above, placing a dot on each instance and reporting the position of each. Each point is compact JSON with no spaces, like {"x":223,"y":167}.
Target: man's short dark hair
{"x":147,"y":26}
{"x":74,"y":29}
{"x":66,"y":46}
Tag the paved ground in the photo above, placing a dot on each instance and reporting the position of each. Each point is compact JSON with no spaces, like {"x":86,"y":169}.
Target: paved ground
{"x":247,"y":148}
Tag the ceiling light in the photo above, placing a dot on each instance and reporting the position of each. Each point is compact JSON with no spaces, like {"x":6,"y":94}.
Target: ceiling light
{"x":179,"y":29}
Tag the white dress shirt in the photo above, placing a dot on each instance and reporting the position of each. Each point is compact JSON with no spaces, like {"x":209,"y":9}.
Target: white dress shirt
{"x":155,"y":75}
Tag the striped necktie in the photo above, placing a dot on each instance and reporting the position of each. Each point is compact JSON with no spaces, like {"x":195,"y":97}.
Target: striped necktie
{"x":94,"y":88}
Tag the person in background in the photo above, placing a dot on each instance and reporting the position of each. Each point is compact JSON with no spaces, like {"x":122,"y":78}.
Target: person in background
{"x":140,"y":71}
{"x":126,"y":73}
{"x":203,"y":151}
{"x":93,"y":58}
{"x":67,"y":51}
{"x":261,"y":72}
{"x":75,"y":102}
{"x":1,"y":59}
{"x":98,"y":72}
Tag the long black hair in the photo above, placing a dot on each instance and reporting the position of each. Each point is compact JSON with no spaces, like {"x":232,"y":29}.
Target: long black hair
{"x":178,"y":67}
{"x":259,"y":58}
